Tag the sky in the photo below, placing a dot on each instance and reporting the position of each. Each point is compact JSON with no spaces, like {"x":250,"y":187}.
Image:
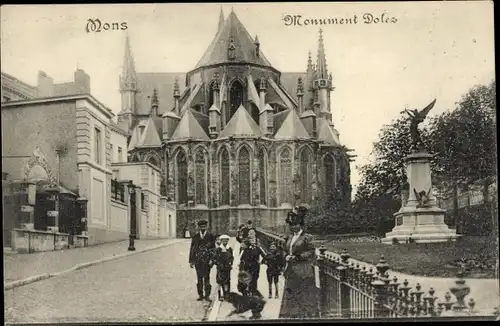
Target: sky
{"x":416,"y":52}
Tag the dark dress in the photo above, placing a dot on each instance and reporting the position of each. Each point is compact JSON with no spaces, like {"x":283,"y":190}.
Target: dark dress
{"x":224,"y":261}
{"x":300,"y":292}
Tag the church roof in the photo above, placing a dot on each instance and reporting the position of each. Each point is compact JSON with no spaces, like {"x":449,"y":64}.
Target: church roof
{"x":189,"y":128}
{"x":164,"y":84}
{"x":241,"y":124}
{"x":217,"y":52}
{"x":150,"y":136}
{"x":292,"y":128}
{"x":327,"y":134}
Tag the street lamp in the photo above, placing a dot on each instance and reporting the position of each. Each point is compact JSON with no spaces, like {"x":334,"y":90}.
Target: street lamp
{"x":131,"y":237}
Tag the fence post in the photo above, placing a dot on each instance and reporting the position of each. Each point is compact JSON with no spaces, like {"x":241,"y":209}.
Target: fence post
{"x":460,"y":290}
{"x":345,"y":290}
{"x":320,"y":262}
{"x":380,"y":285}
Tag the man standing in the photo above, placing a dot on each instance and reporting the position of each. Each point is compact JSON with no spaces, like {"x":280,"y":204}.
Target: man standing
{"x":200,"y":257}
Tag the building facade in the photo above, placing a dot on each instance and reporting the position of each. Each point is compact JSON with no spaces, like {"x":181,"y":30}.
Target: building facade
{"x":236,"y":139}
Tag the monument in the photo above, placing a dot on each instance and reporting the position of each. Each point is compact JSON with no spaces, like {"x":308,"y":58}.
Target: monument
{"x":419,"y":218}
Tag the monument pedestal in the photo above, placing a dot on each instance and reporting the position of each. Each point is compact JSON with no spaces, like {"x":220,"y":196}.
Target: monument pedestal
{"x":422,"y":222}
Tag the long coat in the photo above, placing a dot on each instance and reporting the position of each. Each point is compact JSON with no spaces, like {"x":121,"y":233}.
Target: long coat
{"x":300,"y":293}
{"x":224,"y":261}
{"x":201,"y":251}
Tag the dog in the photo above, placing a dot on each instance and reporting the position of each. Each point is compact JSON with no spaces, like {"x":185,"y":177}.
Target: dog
{"x":244,"y":303}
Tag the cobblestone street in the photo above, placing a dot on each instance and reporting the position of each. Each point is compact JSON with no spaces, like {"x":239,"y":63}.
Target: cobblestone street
{"x":157,"y":285}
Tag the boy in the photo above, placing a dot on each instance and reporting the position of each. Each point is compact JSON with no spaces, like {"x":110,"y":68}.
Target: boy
{"x":250,"y":262}
{"x":275,"y":262}
{"x":224,"y":259}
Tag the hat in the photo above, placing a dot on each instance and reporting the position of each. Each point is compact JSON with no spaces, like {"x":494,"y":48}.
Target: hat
{"x":224,"y":237}
{"x":297,"y":215}
{"x":202,"y":223}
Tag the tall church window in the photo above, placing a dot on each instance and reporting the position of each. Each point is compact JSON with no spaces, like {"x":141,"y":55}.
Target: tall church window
{"x":235,"y":97}
{"x":305,"y":175}
{"x":263,"y":177}
{"x":211,"y":97}
{"x":200,"y":177}
{"x":182,"y":177}
{"x":244,"y":180}
{"x":330,"y":172}
{"x":285,"y":177}
{"x":224,"y":177}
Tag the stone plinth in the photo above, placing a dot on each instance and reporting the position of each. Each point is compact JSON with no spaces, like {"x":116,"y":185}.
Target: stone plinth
{"x":420,"y":223}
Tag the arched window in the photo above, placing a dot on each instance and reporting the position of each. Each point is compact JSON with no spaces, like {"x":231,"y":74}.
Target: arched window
{"x":211,"y":97}
{"x":285,"y":177}
{"x":330,"y":173}
{"x":224,"y":177}
{"x":153,"y":160}
{"x":181,"y":178}
{"x":235,"y":97}
{"x":244,"y":180}
{"x":305,"y":175}
{"x":263,"y":177}
{"x":200,"y":177}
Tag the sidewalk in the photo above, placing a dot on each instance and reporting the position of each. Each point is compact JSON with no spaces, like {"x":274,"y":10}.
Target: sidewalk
{"x":22,"y":266}
{"x":220,"y":310}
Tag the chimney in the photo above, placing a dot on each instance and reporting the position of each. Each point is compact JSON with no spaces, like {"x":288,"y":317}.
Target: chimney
{"x":45,"y":86}
{"x":82,"y":82}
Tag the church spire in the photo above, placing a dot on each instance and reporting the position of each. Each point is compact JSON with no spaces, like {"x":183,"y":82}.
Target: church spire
{"x":128,"y":77}
{"x":321,"y":70}
{"x":221,"y":20}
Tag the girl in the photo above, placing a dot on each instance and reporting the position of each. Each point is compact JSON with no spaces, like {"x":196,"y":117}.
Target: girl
{"x":224,"y":259}
{"x":275,"y":263}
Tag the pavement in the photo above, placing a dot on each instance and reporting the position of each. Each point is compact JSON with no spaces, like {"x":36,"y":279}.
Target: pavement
{"x":21,"y":268}
{"x":220,"y":310}
{"x":151,"y":286}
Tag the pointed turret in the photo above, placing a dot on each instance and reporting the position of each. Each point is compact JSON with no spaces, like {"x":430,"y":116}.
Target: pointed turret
{"x":221,"y":20}
{"x":300,"y":94}
{"x":322,"y":84}
{"x":128,"y":86}
{"x":321,"y":69}
{"x":154,"y":103}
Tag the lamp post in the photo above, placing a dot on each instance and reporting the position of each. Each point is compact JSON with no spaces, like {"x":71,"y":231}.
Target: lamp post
{"x":131,"y":191}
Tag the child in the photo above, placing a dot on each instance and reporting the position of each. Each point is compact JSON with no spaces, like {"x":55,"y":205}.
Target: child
{"x":244,"y":279}
{"x":224,"y":259}
{"x":275,"y":262}
{"x":250,"y":262}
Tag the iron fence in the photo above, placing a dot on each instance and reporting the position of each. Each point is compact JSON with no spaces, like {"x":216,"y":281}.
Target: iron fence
{"x":117,"y":191}
{"x":351,"y":290}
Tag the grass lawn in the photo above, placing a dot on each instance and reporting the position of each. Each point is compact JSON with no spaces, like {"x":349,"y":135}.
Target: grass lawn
{"x":429,"y":259}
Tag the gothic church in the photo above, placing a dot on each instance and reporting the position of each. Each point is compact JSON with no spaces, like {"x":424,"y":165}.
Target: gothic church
{"x":235,"y":138}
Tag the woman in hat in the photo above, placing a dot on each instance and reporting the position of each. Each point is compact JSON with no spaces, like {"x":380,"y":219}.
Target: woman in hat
{"x":299,"y":298}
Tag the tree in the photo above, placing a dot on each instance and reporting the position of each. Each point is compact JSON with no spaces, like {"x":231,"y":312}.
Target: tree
{"x":464,"y":140}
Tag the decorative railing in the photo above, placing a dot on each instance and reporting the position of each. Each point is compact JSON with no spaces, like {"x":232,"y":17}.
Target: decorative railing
{"x":117,"y":191}
{"x":352,"y":290}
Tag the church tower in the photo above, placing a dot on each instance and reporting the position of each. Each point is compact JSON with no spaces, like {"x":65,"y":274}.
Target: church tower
{"x":128,"y":88}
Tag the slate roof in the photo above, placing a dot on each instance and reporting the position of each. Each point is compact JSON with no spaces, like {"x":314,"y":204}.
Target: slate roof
{"x":217,"y":51}
{"x":164,"y":84}
{"x":241,"y":124}
{"x":189,"y":128}
{"x":326,"y":133}
{"x":292,"y":128}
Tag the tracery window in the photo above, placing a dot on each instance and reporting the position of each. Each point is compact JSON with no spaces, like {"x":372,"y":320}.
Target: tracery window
{"x":224,"y":177}
{"x":182,"y":177}
{"x":236,"y":97}
{"x":285,"y":177}
{"x":200,"y":177}
{"x":305,"y":175}
{"x":263,"y":177}
{"x":330,"y":172}
{"x":244,"y":180}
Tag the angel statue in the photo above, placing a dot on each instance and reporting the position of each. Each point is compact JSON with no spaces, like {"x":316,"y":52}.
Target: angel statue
{"x":417,"y":117}
{"x":422,"y":197}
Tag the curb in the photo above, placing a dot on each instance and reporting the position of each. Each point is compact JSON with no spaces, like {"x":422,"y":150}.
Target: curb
{"x":36,"y":278}
{"x":214,"y":311}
